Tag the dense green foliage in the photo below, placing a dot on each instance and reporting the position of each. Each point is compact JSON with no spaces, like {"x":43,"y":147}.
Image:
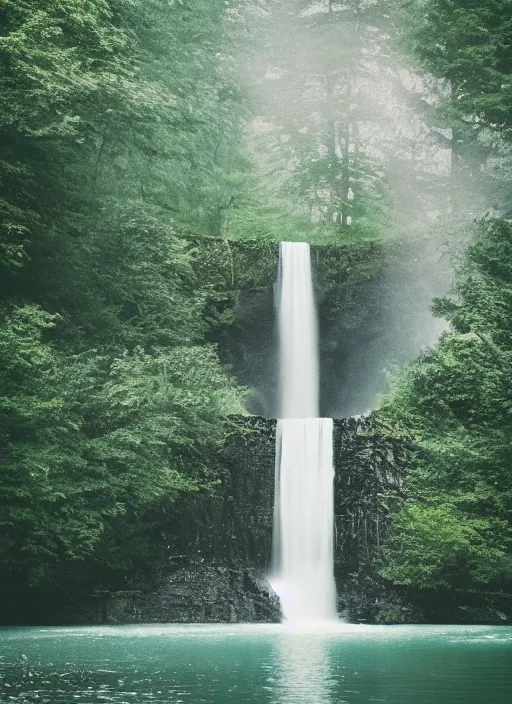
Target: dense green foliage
{"x":114,"y":102}
{"x":469,"y":44}
{"x":122,"y":131}
{"x":118,"y":122}
{"x":452,"y":536}
{"x":467,"y":47}
{"x":454,"y":529}
{"x":130,"y":161}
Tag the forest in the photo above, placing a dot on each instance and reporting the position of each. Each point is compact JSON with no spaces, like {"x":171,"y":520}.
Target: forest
{"x":153,"y":154}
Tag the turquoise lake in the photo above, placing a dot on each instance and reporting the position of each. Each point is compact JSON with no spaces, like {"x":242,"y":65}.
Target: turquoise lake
{"x":268,"y":664}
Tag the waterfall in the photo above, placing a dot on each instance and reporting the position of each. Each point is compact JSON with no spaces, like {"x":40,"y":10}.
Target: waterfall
{"x":303,"y":528}
{"x":304,"y":505}
{"x":298,"y":347}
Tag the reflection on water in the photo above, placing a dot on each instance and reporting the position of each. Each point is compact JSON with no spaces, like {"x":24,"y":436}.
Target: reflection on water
{"x":303,"y":670}
{"x":271,"y":664}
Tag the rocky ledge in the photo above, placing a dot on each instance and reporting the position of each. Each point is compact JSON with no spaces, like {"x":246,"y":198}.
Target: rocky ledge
{"x":198,"y":594}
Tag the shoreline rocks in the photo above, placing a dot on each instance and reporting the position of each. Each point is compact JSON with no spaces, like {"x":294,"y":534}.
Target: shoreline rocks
{"x":198,"y":594}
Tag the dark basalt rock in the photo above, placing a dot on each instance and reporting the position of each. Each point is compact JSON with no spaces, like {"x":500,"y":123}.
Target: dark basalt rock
{"x":234,"y":525}
{"x":364,"y":597}
{"x":370,"y":463}
{"x":373,"y":302}
{"x":198,"y":594}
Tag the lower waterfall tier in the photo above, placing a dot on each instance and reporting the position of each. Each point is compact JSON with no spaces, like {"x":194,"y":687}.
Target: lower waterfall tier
{"x":303,"y":562}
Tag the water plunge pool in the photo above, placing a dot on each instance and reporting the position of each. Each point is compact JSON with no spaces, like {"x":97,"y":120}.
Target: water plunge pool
{"x":267,"y":664}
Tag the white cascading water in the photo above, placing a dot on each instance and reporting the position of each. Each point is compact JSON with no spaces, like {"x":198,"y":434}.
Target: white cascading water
{"x":298,"y":346}
{"x":304,"y":504}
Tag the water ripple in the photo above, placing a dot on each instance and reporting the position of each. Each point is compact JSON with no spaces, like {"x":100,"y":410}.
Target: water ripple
{"x":256,"y":665}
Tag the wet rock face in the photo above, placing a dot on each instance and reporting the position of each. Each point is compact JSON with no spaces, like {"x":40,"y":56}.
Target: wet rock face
{"x":369,"y":468}
{"x":249,"y":498}
{"x":364,"y":597}
{"x":370,"y":465}
{"x":198,"y":594}
{"x":373,"y":302}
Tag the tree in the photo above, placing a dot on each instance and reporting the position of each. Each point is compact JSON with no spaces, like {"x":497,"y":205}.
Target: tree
{"x":453,"y":532}
{"x":120,"y":122}
{"x":310,"y":93}
{"x":95,"y":451}
{"x":468,"y":44}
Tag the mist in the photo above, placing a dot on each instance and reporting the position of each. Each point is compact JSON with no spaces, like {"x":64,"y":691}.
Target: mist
{"x":347,"y":132}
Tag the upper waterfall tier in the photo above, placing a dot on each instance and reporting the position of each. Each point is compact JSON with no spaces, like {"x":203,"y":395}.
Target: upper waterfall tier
{"x":298,"y":343}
